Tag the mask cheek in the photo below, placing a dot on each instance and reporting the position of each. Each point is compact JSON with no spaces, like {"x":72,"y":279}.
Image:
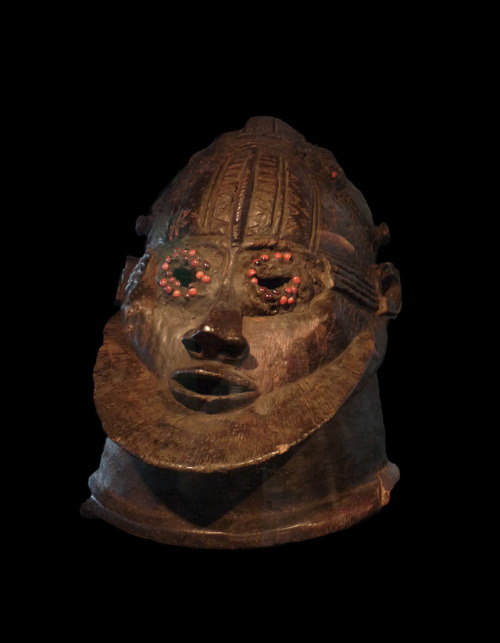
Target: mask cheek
{"x":351,"y":319}
{"x":338,"y":321}
{"x":156,"y":338}
{"x":142,"y":313}
{"x":286,"y":348}
{"x":138,"y":326}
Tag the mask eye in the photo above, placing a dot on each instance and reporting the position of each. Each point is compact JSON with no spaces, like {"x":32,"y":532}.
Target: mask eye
{"x":273,"y":283}
{"x":279,"y":291}
{"x":182,"y":273}
{"x":185,"y":276}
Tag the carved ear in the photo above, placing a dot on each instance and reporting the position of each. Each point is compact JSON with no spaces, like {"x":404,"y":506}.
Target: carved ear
{"x":143,"y":224}
{"x":389,"y":289}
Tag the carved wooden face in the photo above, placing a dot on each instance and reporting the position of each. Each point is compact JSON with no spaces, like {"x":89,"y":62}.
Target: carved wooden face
{"x":255,"y":312}
{"x":221,"y":324}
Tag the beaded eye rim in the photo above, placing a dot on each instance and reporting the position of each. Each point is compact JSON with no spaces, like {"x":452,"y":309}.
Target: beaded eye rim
{"x":280,"y":292}
{"x":182,"y":273}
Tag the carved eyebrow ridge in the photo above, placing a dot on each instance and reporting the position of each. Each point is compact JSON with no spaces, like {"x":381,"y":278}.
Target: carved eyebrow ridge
{"x":258,"y":244}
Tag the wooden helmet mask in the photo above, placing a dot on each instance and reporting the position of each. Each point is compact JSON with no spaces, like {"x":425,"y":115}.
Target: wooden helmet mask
{"x":237,"y":383}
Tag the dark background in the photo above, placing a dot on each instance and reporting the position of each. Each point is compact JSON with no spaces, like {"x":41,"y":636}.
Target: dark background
{"x":115,"y":120}
{"x":133,"y":148}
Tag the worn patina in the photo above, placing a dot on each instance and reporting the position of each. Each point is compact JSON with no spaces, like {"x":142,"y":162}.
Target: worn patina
{"x":237,"y":383}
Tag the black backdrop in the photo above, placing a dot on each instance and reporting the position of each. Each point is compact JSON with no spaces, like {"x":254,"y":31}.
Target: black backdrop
{"x":117,"y":136}
{"x":131,"y":152}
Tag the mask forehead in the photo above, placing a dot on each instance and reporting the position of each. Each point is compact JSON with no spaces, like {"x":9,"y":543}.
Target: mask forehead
{"x":267,"y":182}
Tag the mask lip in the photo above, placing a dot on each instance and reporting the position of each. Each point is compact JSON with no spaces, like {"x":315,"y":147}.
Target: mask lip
{"x":208,"y":390}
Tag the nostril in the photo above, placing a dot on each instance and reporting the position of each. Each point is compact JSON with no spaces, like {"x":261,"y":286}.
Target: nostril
{"x":211,"y":345}
{"x":201,"y":343}
{"x":192,"y":345}
{"x":235,"y":349}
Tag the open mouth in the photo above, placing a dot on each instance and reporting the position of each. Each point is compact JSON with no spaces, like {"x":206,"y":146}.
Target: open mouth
{"x":211,"y":392}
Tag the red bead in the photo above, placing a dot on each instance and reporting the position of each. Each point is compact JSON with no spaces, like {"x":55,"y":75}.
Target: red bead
{"x":278,"y":255}
{"x":288,"y":290}
{"x":254,"y":280}
{"x":291,"y":300}
{"x":177,"y":283}
{"x":192,"y":252}
{"x":265,"y":258}
{"x":168,"y":289}
{"x":171,"y":279}
{"x":163,"y":283}
{"x":184,"y":251}
{"x":296,"y":280}
{"x":252,"y":272}
{"x":176,"y":293}
{"x":165,"y":266}
{"x":193,"y":292}
{"x":295,"y":290}
{"x":334,"y":174}
{"x":199,"y":274}
{"x":205,"y":279}
{"x":195,"y":263}
{"x":283,"y":300}
{"x":287,"y":256}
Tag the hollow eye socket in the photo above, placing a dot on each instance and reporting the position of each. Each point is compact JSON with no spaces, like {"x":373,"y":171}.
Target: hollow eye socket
{"x":182,"y":273}
{"x":278,"y":291}
{"x":185,"y":275}
{"x":273,"y":283}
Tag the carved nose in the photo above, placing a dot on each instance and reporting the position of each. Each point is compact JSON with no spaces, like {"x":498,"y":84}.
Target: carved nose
{"x":218,"y":337}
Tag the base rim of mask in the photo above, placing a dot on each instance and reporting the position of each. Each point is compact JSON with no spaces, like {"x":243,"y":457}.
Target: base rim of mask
{"x":333,"y":514}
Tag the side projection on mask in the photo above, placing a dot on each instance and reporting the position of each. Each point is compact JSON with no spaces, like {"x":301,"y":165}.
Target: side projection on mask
{"x":237,"y":383}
